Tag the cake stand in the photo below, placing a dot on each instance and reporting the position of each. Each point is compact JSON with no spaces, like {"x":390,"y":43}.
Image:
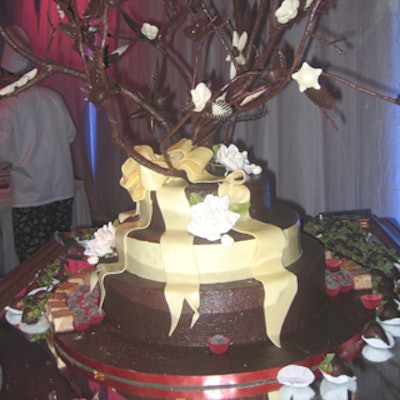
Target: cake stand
{"x":106,"y":355}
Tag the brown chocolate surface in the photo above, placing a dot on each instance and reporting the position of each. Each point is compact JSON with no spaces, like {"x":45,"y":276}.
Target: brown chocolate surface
{"x":338,"y":320}
{"x":234,"y":309}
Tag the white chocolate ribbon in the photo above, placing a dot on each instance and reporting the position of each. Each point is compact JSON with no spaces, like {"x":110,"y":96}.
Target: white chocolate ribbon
{"x":280,"y":285}
{"x":144,"y":212}
{"x":180,"y":265}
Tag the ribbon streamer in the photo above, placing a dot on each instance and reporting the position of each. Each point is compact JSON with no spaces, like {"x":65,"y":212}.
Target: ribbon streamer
{"x":280,"y":285}
{"x":144,"y":211}
{"x":182,"y":275}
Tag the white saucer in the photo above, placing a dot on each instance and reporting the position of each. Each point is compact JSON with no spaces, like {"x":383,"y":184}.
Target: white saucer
{"x":13,"y":310}
{"x":338,"y":380}
{"x":33,"y":329}
{"x":296,"y":393}
{"x":333,"y":391}
{"x":376,"y":355}
{"x":379,"y":343}
{"x":392,"y":322}
{"x":393,"y":330}
{"x":295,"y":376}
{"x":13,"y":318}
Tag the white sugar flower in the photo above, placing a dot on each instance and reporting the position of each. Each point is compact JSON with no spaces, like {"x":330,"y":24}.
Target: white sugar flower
{"x":307,"y":77}
{"x":103,"y":242}
{"x":238,"y":44}
{"x":200,"y":96}
{"x":212,"y":218}
{"x":148,"y":30}
{"x":287,"y":11}
{"x":232,"y":159}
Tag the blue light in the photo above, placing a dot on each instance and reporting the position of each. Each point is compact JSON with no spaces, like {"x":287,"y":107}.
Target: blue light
{"x":92,"y":118}
{"x":393,"y":121}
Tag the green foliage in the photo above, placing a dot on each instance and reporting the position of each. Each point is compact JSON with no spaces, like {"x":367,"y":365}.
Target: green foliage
{"x":195,"y":198}
{"x":326,"y":364}
{"x":240,"y":208}
{"x":349,"y":239}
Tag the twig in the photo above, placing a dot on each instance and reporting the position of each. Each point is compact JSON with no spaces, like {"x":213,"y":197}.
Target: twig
{"x":361,"y":88}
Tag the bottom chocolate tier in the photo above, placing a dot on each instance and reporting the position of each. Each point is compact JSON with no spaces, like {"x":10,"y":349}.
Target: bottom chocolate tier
{"x":106,"y":354}
{"x":234,"y":309}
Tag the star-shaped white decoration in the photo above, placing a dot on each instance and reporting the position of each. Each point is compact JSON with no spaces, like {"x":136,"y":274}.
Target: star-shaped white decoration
{"x":307,"y":77}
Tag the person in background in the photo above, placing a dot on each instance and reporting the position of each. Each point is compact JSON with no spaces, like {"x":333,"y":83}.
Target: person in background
{"x":36,"y":131}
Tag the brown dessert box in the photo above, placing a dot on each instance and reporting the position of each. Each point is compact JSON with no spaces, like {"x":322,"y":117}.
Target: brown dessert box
{"x":360,"y":275}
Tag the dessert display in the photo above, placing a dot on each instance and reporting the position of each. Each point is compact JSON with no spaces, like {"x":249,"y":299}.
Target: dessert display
{"x":207,"y":283}
{"x":227,"y":288}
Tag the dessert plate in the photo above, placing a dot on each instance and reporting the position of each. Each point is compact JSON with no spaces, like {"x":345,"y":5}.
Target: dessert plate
{"x":295,"y":376}
{"x":296,"y":393}
{"x":376,"y":355}
{"x":379,"y":343}
{"x":13,"y":318}
{"x":33,"y":329}
{"x":391,"y":326}
{"x":338,"y":380}
{"x":332,"y":391}
{"x":393,"y":330}
{"x":392,"y":322}
{"x":13,"y":310}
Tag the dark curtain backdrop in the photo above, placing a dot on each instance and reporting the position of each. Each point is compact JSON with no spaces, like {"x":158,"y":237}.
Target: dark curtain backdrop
{"x":313,"y":166}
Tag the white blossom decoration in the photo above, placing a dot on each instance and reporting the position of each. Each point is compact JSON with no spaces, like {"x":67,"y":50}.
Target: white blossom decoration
{"x":200,"y":96}
{"x":307,"y":77}
{"x":148,"y":30}
{"x":287,"y":11}
{"x":102,"y":243}
{"x":212,"y":218}
{"x":238,"y":43}
{"x":232,"y":159}
{"x":19,"y":83}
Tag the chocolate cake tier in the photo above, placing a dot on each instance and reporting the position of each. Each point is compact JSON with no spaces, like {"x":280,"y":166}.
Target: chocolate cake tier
{"x":260,"y":206}
{"x":234,"y":309}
